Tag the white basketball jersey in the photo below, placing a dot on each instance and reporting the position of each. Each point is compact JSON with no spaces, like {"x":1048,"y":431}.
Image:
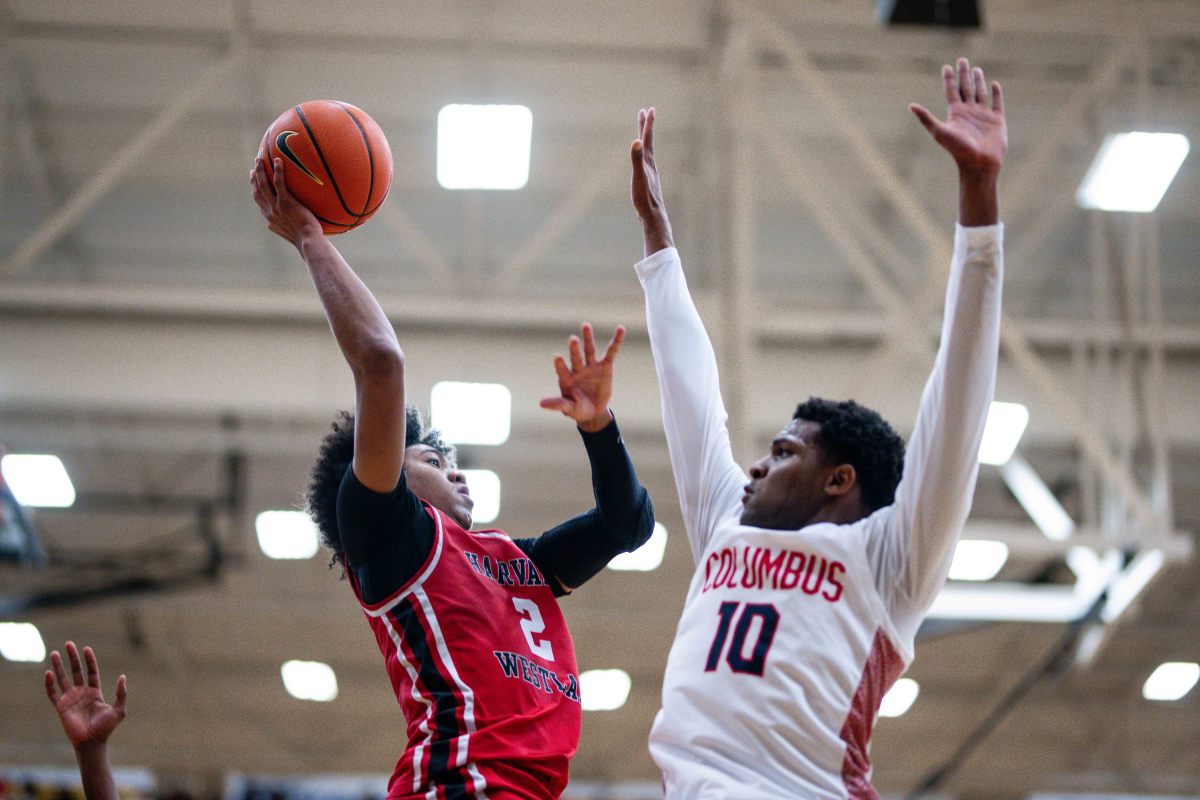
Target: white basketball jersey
{"x":790,"y":639}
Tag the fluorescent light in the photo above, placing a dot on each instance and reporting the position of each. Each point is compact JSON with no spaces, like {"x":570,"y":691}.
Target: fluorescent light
{"x":38,"y":480}
{"x":286,"y":534}
{"x":1171,"y":681}
{"x":309,"y":680}
{"x":20,"y":641}
{"x":1010,"y":602}
{"x":977,"y":560}
{"x":483,"y":147}
{"x":1132,"y":171}
{"x":645,"y":558}
{"x":1005,"y":424}
{"x":1038,"y":501}
{"x":471,"y":413}
{"x":485,"y":491}
{"x":899,"y":698}
{"x":604,"y":689}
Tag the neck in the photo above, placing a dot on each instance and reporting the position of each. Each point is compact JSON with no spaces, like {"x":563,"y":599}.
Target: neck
{"x":839,"y":513}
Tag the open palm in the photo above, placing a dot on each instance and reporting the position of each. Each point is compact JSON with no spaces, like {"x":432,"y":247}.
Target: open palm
{"x":585,"y":385}
{"x":84,"y":714}
{"x":975,"y":132}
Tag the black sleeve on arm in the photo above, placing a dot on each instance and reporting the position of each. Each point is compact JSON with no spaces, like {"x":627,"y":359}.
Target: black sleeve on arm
{"x":386,"y":536}
{"x":622,"y":520}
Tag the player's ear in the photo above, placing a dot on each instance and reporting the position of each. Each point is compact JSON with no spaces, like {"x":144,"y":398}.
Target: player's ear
{"x":841,"y":480}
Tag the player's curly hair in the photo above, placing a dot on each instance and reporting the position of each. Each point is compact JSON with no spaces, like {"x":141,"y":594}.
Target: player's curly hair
{"x":335,"y":455}
{"x":856,"y":435}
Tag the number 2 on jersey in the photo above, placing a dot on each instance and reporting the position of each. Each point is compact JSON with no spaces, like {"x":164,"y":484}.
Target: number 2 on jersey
{"x":531,"y":623}
{"x":736,"y":657}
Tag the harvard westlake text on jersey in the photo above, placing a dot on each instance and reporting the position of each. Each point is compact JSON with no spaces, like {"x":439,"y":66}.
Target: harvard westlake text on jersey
{"x":513,"y":572}
{"x":522,"y":572}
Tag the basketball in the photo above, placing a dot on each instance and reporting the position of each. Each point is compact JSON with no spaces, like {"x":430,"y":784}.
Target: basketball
{"x":336,"y":161}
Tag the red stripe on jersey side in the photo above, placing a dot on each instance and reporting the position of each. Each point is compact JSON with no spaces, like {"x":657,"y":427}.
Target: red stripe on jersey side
{"x":416,"y":766}
{"x":883,"y":667}
{"x":439,"y":759}
{"x":435,"y":552}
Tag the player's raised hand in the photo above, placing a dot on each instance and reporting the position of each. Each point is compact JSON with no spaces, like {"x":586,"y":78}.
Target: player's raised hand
{"x":84,"y":715}
{"x":585,"y":385}
{"x":647,"y":189}
{"x":285,"y":215}
{"x":974,"y":132}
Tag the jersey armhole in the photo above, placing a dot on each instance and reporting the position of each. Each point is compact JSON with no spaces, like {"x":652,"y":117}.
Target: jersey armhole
{"x":431,"y":561}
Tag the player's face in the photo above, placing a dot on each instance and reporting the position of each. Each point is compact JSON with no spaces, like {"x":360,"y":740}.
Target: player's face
{"x":787,"y":486}
{"x":433,"y":478}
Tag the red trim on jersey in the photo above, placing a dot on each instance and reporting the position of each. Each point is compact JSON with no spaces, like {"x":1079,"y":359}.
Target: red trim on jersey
{"x":883,"y":667}
{"x":378,"y":609}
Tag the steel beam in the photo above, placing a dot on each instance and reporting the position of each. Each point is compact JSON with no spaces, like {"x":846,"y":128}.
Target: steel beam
{"x":417,"y":242}
{"x":569,"y":211}
{"x":96,"y":187}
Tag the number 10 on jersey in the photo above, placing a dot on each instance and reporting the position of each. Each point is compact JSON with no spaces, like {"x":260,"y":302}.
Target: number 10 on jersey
{"x":739,"y":660}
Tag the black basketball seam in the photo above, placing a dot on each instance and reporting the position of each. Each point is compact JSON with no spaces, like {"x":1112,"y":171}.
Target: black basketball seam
{"x":316,"y":146}
{"x":370,"y":157}
{"x":371,"y":211}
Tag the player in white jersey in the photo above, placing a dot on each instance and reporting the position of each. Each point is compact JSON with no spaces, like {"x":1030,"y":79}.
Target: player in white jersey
{"x":814,"y":572}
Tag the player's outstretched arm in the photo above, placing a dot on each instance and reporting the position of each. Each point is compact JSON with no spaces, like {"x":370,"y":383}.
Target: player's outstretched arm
{"x":623,"y":517}
{"x":87,"y":720}
{"x":362,"y":330}
{"x":941,"y":465}
{"x":707,"y":478}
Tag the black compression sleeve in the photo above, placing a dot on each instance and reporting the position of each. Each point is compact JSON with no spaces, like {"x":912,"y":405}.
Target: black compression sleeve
{"x":385,"y":536}
{"x":622,"y":520}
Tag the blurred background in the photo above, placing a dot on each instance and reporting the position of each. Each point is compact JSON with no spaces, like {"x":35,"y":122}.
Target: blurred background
{"x":170,"y":353}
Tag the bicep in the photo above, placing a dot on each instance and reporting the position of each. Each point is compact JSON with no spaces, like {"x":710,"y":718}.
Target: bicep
{"x":379,"y":421}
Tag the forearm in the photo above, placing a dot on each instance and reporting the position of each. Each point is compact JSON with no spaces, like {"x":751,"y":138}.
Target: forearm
{"x":978,"y":198}
{"x":707,"y":478}
{"x":98,"y":783}
{"x":621,"y":500}
{"x":361,"y":328}
{"x":941,"y":464}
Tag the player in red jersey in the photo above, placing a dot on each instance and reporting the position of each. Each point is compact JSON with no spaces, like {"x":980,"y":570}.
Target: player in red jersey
{"x":468,"y":621}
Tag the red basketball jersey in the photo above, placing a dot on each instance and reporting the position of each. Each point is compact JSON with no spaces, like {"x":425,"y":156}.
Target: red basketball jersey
{"x":483,"y":667}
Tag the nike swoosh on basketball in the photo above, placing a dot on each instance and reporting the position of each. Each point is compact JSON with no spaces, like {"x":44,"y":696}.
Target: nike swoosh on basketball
{"x":281,"y":142}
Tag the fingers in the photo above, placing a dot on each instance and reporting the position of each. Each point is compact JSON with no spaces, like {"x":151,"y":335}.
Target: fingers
{"x":560,"y":368}
{"x":119,"y":705}
{"x":576,"y":350}
{"x":558,"y":404}
{"x":948,"y":85}
{"x":93,"y":668}
{"x":614,"y":345}
{"x":930,"y":122}
{"x":641,"y":122}
{"x":648,"y":133}
{"x":964,"y":80}
{"x":51,"y":689}
{"x":76,"y":665}
{"x":589,"y":343}
{"x":979,"y":84}
{"x":997,"y":98}
{"x":59,"y":672}
{"x":258,"y":182}
{"x":278,"y":179}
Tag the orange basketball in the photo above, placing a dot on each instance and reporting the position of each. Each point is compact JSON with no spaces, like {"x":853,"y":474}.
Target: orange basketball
{"x":336,"y":161}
